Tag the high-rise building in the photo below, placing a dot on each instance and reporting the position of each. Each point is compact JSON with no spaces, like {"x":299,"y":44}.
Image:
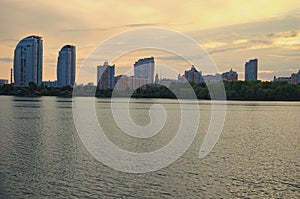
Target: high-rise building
{"x":144,"y":68}
{"x":251,"y":70}
{"x":66,"y":66}
{"x":105,"y":76}
{"x":230,"y":76}
{"x":28,"y":61}
{"x":193,"y":75}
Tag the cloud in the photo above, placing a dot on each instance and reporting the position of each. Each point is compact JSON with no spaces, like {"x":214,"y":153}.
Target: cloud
{"x":292,"y":54}
{"x":6,"y":59}
{"x":294,"y":70}
{"x":170,"y":57}
{"x":286,"y":34}
{"x":226,"y":49}
{"x":140,"y":24}
{"x":84,"y":30}
{"x":106,"y":29}
{"x":287,"y":39}
{"x":271,"y":35}
{"x":283,"y":26}
{"x":292,"y":41}
{"x":9,"y":40}
{"x":267,"y":71}
{"x":214,"y":44}
{"x":277,"y":32}
{"x":261,"y":41}
{"x":240,"y":41}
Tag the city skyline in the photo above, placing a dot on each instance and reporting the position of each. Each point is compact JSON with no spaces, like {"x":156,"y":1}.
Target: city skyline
{"x":143,"y":67}
{"x":28,"y":67}
{"x":231,"y":35}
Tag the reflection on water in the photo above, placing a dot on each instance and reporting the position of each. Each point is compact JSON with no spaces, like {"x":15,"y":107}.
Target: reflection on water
{"x":42,"y":156}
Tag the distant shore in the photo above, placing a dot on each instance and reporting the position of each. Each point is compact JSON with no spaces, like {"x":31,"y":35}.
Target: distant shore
{"x":100,"y":97}
{"x":237,"y":91}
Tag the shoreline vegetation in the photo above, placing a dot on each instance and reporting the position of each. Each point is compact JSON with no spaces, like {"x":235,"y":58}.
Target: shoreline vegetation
{"x":239,"y":90}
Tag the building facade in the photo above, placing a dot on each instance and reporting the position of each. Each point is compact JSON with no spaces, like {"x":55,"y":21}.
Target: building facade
{"x":123,"y":82}
{"x":28,"y":61}
{"x":283,"y":79}
{"x":213,"y":79}
{"x":66,"y":66}
{"x":294,"y":78}
{"x":3,"y":82}
{"x":167,"y":82}
{"x":90,"y":84}
{"x":230,"y":76}
{"x":181,"y":78}
{"x":50,"y":83}
{"x":144,"y":68}
{"x":194,"y":75}
{"x":106,"y":76}
{"x":251,"y":70}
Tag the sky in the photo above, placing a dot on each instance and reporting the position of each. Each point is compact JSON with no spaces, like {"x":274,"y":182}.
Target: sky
{"x":231,"y":31}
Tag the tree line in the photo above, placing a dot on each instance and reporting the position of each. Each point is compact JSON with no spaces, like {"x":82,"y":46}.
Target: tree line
{"x":34,"y":90}
{"x":238,"y":90}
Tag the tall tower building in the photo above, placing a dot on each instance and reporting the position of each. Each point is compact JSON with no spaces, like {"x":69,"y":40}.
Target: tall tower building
{"x":66,"y":66}
{"x":28,"y":61}
{"x":251,"y":70}
{"x":106,"y":76}
{"x":144,"y":68}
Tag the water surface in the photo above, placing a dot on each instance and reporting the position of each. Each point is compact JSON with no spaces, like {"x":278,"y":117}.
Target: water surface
{"x":42,"y":156}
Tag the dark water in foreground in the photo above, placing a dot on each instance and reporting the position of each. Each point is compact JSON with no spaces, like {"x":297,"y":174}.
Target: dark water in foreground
{"x":41,"y":155}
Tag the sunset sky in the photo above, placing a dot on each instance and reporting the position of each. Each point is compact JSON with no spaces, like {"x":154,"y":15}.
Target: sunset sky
{"x":232,"y":31}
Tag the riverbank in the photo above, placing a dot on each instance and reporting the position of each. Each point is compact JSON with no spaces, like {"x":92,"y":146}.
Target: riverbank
{"x":238,"y":91}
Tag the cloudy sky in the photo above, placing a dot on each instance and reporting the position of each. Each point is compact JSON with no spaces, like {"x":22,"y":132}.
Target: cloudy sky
{"x":231,"y":31}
